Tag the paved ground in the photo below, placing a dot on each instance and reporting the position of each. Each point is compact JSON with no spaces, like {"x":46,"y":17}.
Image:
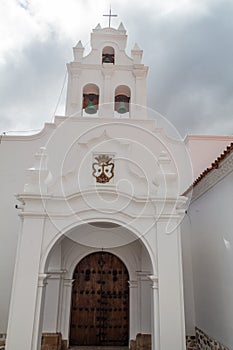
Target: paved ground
{"x":99,"y":348}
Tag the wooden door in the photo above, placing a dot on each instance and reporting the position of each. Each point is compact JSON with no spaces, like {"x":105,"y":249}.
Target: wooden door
{"x":100,"y":301}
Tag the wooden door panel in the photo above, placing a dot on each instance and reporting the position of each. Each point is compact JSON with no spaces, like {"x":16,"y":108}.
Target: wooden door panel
{"x":100,"y":301}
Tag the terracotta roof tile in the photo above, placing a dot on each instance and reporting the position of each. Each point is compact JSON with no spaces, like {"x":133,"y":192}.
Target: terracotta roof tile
{"x":213,"y":166}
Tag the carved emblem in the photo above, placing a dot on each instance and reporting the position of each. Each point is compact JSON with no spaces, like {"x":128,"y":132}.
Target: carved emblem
{"x":103,"y":168}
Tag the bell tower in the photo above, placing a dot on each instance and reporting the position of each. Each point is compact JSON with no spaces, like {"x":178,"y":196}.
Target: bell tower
{"x":107,"y":83}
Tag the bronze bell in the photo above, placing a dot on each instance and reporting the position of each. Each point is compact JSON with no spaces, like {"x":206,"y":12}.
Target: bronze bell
{"x":91,"y":108}
{"x":122,"y":104}
{"x":122,"y":109}
{"x":90,"y":103}
{"x":107,"y":58}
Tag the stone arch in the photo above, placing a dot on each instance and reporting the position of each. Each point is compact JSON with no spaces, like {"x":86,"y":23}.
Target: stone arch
{"x":75,"y":253}
{"x":116,"y":220}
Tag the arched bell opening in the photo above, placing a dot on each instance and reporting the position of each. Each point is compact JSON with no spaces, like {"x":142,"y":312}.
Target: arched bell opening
{"x":108,"y":55}
{"x":122,"y":101}
{"x":90,"y":99}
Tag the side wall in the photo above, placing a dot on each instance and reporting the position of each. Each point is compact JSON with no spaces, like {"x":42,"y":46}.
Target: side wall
{"x":188,"y":276}
{"x":211,"y":221}
{"x":209,"y":146}
{"x":16,"y":155}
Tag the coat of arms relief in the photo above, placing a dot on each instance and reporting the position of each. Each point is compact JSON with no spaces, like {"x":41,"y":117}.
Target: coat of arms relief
{"x":103,"y":168}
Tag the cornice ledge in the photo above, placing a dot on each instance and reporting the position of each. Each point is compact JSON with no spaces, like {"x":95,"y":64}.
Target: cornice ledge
{"x":22,"y":197}
{"x":60,"y":215}
{"x":29,"y":137}
{"x":33,"y":215}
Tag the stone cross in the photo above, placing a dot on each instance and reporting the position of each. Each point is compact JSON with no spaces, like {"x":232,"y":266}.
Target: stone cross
{"x":110,"y":16}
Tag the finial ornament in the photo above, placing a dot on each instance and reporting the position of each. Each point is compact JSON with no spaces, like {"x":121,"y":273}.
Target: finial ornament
{"x":110,"y":16}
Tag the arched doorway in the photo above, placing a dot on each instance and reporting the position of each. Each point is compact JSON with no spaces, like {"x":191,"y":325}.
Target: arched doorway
{"x":100,"y":301}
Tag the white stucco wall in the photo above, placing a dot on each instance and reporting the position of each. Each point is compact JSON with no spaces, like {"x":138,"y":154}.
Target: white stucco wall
{"x":204,"y":149}
{"x":212,"y":251}
{"x":16,"y":155}
{"x":188,"y":277}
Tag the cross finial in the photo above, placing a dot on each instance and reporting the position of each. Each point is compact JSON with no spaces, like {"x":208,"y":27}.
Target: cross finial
{"x":110,"y":16}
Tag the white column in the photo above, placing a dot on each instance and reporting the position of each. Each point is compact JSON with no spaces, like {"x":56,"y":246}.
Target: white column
{"x":74,"y":93}
{"x":42,"y":282}
{"x":171,"y":300}
{"x":23,"y":308}
{"x":66,"y":304}
{"x":60,"y":299}
{"x":144,"y":294}
{"x":133,"y":309}
{"x":139,"y":304}
{"x":138,"y":110}
{"x":155,"y":314}
{"x":51,"y":322}
{"x":107,"y":100}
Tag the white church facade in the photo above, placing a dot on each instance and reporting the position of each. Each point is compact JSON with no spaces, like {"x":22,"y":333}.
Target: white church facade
{"x":95,"y":219}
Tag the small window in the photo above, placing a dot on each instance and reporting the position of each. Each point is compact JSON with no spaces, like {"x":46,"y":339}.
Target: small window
{"x":108,"y":55}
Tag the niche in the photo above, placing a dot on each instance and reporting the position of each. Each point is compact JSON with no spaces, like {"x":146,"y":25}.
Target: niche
{"x":90,"y":99}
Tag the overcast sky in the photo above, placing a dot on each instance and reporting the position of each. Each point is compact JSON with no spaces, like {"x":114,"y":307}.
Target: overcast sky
{"x":187,"y":45}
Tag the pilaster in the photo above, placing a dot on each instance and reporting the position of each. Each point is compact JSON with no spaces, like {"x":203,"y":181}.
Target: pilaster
{"x":144,"y":306}
{"x":53,"y":307}
{"x":171,"y":301}
{"x":155,"y":315}
{"x":139,"y":103}
{"x":133,"y":309}
{"x":74,"y":92}
{"x":65,"y":311}
{"x":42,"y":283}
{"x":107,"y":105}
{"x":24,"y":309}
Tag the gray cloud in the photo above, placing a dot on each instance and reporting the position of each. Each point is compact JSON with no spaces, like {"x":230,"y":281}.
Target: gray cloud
{"x":191,"y":74}
{"x":190,"y":79}
{"x":30,"y":84}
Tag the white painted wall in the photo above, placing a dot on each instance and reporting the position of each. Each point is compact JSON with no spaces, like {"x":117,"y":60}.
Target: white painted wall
{"x":212,"y":251}
{"x":204,"y":149}
{"x":16,"y":155}
{"x":59,"y":149}
{"x":188,"y":277}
